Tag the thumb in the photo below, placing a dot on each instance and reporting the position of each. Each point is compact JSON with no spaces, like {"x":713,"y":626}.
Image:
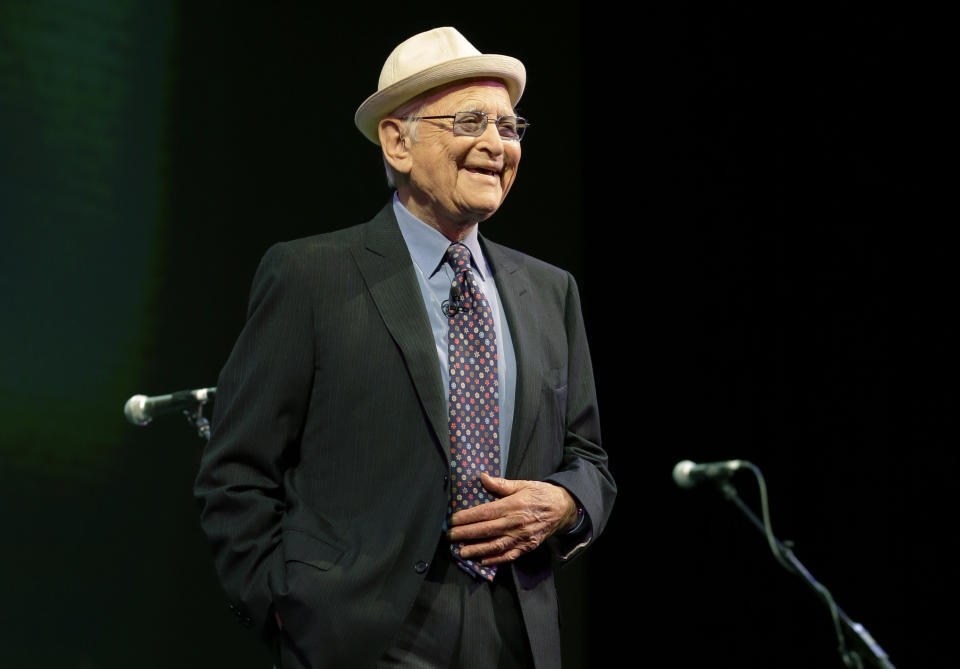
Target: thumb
{"x":500,"y":486}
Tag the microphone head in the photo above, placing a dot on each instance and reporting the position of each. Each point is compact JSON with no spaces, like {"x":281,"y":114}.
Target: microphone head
{"x":681,"y":473}
{"x":134,"y":410}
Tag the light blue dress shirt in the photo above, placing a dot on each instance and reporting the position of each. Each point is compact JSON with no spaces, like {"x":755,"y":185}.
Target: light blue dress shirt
{"x":427,"y":248}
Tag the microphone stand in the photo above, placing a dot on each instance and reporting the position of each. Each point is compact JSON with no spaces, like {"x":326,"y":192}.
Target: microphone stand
{"x":864,"y":648}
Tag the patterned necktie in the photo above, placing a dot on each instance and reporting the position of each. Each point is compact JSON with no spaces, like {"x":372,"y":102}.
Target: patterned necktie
{"x":474,"y":394}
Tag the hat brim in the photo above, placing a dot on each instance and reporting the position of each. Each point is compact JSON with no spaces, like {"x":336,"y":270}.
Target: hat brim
{"x":510,"y":70}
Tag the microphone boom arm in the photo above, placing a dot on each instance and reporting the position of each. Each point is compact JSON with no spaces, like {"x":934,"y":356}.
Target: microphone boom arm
{"x":864,"y":647}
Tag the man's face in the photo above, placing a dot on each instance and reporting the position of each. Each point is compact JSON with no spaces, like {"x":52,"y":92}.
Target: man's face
{"x":457,"y":180}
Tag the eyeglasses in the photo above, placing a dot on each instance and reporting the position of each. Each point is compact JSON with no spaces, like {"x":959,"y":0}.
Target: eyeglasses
{"x":474,"y":123}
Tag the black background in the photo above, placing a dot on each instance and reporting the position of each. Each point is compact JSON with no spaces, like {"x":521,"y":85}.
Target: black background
{"x":741,"y":192}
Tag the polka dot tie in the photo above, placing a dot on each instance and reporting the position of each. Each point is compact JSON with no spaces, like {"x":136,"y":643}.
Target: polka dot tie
{"x":474,"y":394}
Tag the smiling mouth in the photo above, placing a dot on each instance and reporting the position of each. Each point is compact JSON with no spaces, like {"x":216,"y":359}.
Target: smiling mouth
{"x":480,"y":170}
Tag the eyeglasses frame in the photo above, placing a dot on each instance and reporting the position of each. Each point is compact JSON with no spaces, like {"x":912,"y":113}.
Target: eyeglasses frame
{"x":521,"y":123}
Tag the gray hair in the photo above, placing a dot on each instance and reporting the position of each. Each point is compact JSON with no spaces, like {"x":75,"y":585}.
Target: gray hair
{"x":403,"y":114}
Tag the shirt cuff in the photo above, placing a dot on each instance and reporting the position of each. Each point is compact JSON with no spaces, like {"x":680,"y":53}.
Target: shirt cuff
{"x":579,"y":524}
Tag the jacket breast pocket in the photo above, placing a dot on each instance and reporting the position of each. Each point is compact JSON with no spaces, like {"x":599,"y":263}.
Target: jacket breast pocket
{"x":299,"y":546}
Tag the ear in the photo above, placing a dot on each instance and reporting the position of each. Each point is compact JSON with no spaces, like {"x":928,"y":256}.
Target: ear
{"x":395,"y":145}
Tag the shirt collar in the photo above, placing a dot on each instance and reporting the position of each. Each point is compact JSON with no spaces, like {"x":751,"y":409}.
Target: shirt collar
{"x":428,"y":246}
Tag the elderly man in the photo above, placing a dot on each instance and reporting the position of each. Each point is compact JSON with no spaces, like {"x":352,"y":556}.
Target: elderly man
{"x":405,"y":439}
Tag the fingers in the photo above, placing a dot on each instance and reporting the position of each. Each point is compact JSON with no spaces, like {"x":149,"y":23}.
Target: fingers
{"x":478,"y":514}
{"x":497,"y":547}
{"x":482,"y":530}
{"x":500,"y":486}
{"x":502,"y":530}
{"x":502,"y":549}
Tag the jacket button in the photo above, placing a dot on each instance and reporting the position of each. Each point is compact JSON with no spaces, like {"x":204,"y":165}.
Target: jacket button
{"x":446,"y":480}
{"x":421,"y":566}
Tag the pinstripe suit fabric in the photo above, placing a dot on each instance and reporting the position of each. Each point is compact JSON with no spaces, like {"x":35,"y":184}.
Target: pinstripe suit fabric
{"x":324,"y":481}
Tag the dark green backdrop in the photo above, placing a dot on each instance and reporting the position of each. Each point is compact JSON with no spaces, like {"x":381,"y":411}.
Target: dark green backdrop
{"x":737,"y":189}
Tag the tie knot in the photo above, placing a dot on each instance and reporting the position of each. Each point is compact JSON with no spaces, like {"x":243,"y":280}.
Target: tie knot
{"x":458,"y":257}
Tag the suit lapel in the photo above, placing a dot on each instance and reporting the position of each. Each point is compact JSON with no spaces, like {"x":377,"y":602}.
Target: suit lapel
{"x":387,"y":269}
{"x":513,"y":285}
{"x":384,"y":262}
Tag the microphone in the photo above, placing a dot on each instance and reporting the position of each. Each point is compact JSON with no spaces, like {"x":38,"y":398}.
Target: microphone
{"x":455,"y":304}
{"x":687,"y":474}
{"x":141,"y":409}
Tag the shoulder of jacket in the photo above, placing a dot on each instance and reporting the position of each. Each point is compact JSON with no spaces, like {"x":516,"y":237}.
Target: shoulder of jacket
{"x":501,"y":255}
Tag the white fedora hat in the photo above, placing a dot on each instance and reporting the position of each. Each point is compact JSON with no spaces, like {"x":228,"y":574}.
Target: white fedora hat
{"x":428,"y":60}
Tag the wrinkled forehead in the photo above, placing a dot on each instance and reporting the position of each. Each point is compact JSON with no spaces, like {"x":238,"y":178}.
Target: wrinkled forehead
{"x":490,"y":96}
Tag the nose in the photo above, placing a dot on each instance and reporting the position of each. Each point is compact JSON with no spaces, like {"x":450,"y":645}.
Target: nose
{"x":491,"y":137}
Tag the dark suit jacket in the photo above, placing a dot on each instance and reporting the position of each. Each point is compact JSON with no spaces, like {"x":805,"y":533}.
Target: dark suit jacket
{"x":324,"y":484}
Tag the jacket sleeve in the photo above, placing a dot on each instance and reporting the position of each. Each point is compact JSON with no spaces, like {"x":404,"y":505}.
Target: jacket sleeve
{"x":584,"y":472}
{"x":262,"y":396}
